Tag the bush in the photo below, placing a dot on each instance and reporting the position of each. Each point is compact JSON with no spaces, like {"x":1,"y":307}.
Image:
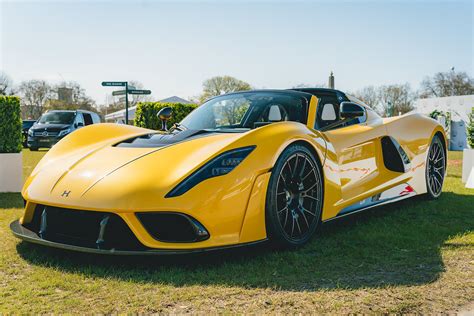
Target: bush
{"x":470,"y":129}
{"x":10,"y":125}
{"x":146,"y":114}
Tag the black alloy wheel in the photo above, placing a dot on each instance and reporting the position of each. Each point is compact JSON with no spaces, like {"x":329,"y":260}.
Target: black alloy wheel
{"x":294,"y":198}
{"x":435,"y":168}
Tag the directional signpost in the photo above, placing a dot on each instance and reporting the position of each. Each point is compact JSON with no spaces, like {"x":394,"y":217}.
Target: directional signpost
{"x":139,"y":91}
{"x":118,"y":92}
{"x":128,"y":90}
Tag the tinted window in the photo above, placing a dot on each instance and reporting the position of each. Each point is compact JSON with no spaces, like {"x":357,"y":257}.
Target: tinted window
{"x":79,"y":118}
{"x":87,"y":119}
{"x":57,"y":118}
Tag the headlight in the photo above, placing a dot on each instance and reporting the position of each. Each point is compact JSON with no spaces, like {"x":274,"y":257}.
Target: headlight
{"x":219,"y":166}
{"x":64,"y":132}
{"x":30,"y":132}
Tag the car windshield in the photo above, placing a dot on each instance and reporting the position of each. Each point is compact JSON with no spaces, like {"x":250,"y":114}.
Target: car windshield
{"x":247,"y":110}
{"x":57,"y":118}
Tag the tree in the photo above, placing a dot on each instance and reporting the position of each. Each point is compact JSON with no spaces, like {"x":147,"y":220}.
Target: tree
{"x":34,"y":96}
{"x":6,"y":84}
{"x":396,"y":98}
{"x":70,"y":96}
{"x":220,"y":85}
{"x":444,"y":84}
{"x":369,"y":95}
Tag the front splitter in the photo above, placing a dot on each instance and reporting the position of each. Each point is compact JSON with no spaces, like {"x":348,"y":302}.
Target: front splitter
{"x":25,"y":234}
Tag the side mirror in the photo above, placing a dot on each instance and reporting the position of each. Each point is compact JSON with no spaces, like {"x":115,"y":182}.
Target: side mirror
{"x":350,"y":110}
{"x":79,"y":124}
{"x":165,"y":114}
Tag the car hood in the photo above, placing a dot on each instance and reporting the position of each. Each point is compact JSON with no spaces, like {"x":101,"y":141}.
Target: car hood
{"x":49,"y":127}
{"x":115,"y":176}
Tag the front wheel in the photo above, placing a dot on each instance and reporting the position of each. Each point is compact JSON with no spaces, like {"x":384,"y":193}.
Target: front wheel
{"x":294,"y":198}
{"x":435,"y":168}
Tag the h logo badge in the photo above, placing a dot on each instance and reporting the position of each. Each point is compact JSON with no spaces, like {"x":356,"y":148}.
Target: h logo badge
{"x":65,"y":194}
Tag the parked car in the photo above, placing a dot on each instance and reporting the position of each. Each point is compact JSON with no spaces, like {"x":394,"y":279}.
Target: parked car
{"x":242,"y":168}
{"x":27,"y":124}
{"x":54,"y":125}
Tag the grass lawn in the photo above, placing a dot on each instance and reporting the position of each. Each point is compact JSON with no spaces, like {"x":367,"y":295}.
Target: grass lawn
{"x":413,"y":256}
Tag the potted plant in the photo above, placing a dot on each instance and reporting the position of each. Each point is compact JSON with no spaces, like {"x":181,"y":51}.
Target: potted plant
{"x":10,"y":144}
{"x":468,"y":154}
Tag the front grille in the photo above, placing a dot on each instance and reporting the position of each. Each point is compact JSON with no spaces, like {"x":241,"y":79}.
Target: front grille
{"x":173,"y":227}
{"x":46,"y":134}
{"x":100,"y":230}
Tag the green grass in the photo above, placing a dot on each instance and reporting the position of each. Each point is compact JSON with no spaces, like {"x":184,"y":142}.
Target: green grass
{"x":413,"y":256}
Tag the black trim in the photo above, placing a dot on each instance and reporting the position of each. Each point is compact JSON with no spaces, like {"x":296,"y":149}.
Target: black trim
{"x":173,"y":227}
{"x":394,"y":157}
{"x":27,"y":235}
{"x":200,"y":174}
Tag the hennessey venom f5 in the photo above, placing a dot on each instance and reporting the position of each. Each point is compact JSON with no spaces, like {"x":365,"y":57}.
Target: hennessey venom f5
{"x":242,"y":168}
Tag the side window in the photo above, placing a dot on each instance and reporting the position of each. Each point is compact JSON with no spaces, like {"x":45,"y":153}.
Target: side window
{"x":327,"y":111}
{"x":87,"y":119}
{"x":95,"y":118}
{"x":79,"y":119}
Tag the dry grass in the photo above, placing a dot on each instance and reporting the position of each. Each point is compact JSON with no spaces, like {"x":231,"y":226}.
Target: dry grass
{"x":413,"y":256}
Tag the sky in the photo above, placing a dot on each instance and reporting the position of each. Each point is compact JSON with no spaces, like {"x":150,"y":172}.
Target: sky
{"x":172,"y":47}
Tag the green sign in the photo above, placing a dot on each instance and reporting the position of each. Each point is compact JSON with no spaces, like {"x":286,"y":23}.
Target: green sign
{"x":118,"y":92}
{"x":139,"y":91}
{"x":114,"y":83}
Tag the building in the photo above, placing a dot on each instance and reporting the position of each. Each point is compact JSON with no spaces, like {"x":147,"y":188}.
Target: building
{"x":119,"y":116}
{"x":458,"y":109}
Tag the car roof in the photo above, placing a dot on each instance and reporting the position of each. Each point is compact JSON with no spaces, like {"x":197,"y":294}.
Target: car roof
{"x":72,"y":111}
{"x":317,"y":90}
{"x":284,"y":91}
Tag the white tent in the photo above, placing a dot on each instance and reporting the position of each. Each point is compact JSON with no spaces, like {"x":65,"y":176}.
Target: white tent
{"x":460,"y":108}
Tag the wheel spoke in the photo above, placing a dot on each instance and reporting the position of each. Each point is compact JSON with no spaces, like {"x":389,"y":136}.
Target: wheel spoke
{"x":310,"y":172}
{"x":283,"y":209}
{"x":298,"y":225}
{"x":305,"y":219}
{"x":312,"y":186}
{"x":302,"y":168}
{"x":307,"y":211}
{"x":292,"y":226}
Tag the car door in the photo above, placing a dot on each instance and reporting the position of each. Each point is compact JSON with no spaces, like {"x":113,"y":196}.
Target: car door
{"x":356,"y":146}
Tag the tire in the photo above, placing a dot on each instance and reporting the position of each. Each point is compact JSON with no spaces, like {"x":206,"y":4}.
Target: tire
{"x":34,"y":148}
{"x":294,"y":198}
{"x":435,"y":168}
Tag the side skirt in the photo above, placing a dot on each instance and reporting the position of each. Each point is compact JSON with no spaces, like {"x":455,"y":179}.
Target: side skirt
{"x":395,"y":194}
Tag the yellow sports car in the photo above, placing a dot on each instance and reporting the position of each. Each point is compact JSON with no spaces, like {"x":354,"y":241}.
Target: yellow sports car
{"x":242,"y":168}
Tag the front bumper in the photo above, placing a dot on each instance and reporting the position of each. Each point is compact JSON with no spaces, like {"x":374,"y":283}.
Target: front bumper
{"x":43,"y":141}
{"x":25,"y":234}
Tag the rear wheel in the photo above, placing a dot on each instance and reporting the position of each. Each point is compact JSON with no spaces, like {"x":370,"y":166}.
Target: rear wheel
{"x":294,"y":198}
{"x":435,"y":168}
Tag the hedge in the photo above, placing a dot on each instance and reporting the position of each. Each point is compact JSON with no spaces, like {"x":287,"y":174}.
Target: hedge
{"x":470,"y":129}
{"x":10,"y":125}
{"x":146,"y":113}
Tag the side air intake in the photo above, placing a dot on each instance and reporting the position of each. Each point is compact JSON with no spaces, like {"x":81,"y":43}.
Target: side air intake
{"x":394,"y":157}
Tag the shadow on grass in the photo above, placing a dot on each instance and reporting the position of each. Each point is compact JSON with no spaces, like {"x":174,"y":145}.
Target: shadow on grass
{"x":392,"y":245}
